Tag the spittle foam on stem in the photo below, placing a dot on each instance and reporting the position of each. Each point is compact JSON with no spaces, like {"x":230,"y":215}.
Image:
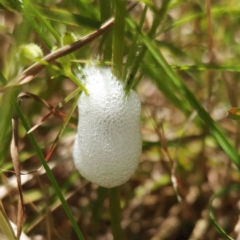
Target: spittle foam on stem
{"x":108,"y":143}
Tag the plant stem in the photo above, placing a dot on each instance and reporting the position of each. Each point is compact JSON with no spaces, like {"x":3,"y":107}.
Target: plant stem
{"x":158,"y":18}
{"x":106,"y":13}
{"x":115,"y":210}
{"x":118,"y":37}
{"x":117,"y":58}
{"x":97,"y":211}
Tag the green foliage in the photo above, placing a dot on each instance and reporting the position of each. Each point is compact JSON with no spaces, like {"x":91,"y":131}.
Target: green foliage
{"x":217,"y":195}
{"x":62,"y":16}
{"x":12,"y":5}
{"x":165,"y":45}
{"x":49,"y":172}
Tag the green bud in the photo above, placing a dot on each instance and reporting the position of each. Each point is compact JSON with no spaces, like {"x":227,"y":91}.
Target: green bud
{"x":29,"y":53}
{"x":68,"y":38}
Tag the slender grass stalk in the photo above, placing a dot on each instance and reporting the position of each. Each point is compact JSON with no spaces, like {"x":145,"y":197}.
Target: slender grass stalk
{"x":118,"y":37}
{"x":5,"y":224}
{"x":49,"y":173}
{"x":133,"y":50}
{"x":5,"y":122}
{"x":96,"y":211}
{"x":217,"y":132}
{"x":218,"y":194}
{"x":76,"y":80}
{"x":115,"y":209}
{"x":45,"y":23}
{"x":33,"y":23}
{"x":158,"y":18}
{"x":117,"y":58}
{"x":2,"y":78}
{"x":106,"y":13}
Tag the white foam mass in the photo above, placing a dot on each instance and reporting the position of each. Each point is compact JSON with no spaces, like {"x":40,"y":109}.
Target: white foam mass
{"x":108,"y":143}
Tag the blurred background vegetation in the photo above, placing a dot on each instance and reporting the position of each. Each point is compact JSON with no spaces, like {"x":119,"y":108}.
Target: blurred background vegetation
{"x":182,"y":59}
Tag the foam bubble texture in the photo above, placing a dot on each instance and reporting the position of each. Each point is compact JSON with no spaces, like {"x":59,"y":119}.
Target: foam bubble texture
{"x":108,"y":144}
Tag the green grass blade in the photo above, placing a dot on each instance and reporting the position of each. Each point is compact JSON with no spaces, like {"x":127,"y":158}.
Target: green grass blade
{"x":106,"y":13}
{"x":44,"y":22}
{"x":184,"y":20}
{"x":97,"y":210}
{"x":12,"y":5}
{"x":117,"y":59}
{"x":115,"y":211}
{"x":189,"y":96}
{"x":216,"y":12}
{"x":86,"y":7}
{"x":6,"y":107}
{"x":218,"y":194}
{"x":166,"y":89}
{"x":32,"y":22}
{"x":49,"y":173}
{"x":5,"y":225}
{"x":158,"y":17}
{"x":62,"y":16}
{"x":3,"y":80}
{"x":175,"y":3}
{"x":118,"y":37}
{"x":200,"y":67}
{"x":133,"y":50}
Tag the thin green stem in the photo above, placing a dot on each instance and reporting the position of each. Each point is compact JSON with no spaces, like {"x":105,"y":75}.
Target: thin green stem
{"x":115,"y":210}
{"x":188,"y":95}
{"x":97,"y":210}
{"x":49,"y":173}
{"x":32,"y":22}
{"x":45,"y":23}
{"x":106,"y":13}
{"x":3,"y":80}
{"x":118,"y":37}
{"x":77,"y":81}
{"x":156,"y":22}
{"x":117,"y":58}
{"x":133,"y":50}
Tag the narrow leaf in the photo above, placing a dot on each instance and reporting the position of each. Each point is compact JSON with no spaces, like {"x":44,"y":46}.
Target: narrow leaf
{"x":49,"y":174}
{"x":16,"y":165}
{"x":166,"y":89}
{"x":5,"y":225}
{"x":218,"y":194}
{"x":3,"y":80}
{"x":32,"y":22}
{"x":44,"y":22}
{"x":219,"y":135}
{"x":62,"y":16}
